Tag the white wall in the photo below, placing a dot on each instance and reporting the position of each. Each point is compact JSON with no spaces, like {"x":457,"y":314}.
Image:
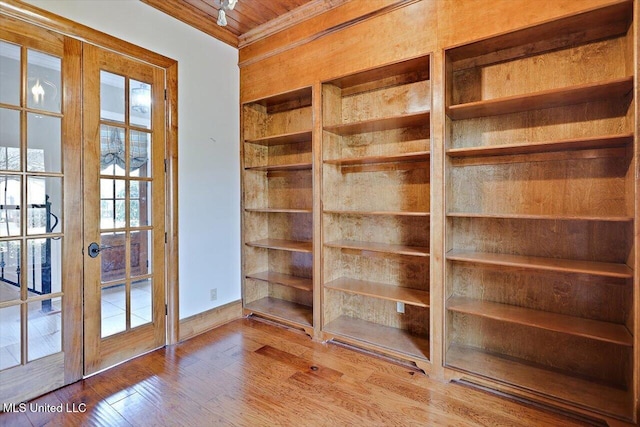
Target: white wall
{"x":208,"y":135}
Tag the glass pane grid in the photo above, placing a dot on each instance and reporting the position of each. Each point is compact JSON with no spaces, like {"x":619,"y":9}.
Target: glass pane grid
{"x":31,"y":213}
{"x":125,"y":195}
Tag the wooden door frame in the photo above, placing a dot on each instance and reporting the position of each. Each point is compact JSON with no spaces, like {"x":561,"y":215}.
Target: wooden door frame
{"x":41,"y":18}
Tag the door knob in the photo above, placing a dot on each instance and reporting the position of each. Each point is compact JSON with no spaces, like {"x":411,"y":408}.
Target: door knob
{"x":94,"y":250}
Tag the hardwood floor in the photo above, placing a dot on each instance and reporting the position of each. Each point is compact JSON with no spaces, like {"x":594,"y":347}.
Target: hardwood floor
{"x":252,"y":373}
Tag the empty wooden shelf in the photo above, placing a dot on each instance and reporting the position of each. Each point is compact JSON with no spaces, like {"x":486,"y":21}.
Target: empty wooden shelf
{"x":551,"y":98}
{"x":539,"y":263}
{"x":285,"y":167}
{"x":560,"y":385}
{"x":401,"y":294}
{"x":283,"y":310}
{"x":302,"y":283}
{"x":283,"y":245}
{"x":379,"y":336}
{"x":283,"y":139}
{"x":587,"y":328}
{"x":380,"y":247}
{"x":595,"y":142}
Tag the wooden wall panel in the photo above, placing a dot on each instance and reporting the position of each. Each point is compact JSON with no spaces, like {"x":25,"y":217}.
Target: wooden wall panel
{"x":365,"y":45}
{"x":462,"y":21}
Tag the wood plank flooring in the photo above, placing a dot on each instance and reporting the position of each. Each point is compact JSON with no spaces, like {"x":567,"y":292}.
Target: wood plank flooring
{"x":253,"y":373}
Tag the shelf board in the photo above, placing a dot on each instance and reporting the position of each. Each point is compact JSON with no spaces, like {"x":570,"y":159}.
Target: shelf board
{"x":287,"y":101}
{"x":283,"y":245}
{"x":385,"y":76}
{"x":420,"y":156}
{"x":302,"y":283}
{"x":604,"y":141}
{"x":281,"y":309}
{"x":395,"y":339}
{"x":561,"y":385}
{"x":576,"y":326}
{"x":381,"y":124}
{"x":283,"y":139}
{"x":538,"y":263}
{"x":595,"y":24}
{"x":287,"y":167}
{"x":380,"y":247}
{"x":375,"y":213}
{"x":541,"y":217}
{"x":408,"y":296}
{"x":544,"y":99}
{"x":278,"y":210}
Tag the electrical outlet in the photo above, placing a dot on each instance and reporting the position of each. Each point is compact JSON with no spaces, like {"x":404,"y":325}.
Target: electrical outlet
{"x":214,"y":294}
{"x":400,"y":307}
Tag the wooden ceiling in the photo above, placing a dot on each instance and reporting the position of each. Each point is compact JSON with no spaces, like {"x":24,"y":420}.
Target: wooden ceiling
{"x":249,"y":21}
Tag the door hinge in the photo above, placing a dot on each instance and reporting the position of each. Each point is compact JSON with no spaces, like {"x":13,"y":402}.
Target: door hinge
{"x":166,"y":238}
{"x":165,"y":94}
{"x":166,"y":310}
{"x":166,"y":161}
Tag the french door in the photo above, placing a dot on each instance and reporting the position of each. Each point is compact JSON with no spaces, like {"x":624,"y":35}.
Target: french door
{"x":124,"y":233}
{"x":40,"y":195}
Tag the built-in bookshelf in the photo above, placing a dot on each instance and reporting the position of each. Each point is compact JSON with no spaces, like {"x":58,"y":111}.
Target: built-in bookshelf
{"x":376,"y":209}
{"x":278,"y":207}
{"x":540,"y":200}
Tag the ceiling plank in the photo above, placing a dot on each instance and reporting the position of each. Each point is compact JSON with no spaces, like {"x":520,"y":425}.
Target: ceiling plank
{"x":195,"y":17}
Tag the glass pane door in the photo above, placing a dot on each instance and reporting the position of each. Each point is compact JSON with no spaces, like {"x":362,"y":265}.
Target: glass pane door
{"x":40,"y":302}
{"x":124,"y":221}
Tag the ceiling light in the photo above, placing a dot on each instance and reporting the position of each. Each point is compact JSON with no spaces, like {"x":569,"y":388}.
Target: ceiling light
{"x":222,"y":19}
{"x":224,"y":6}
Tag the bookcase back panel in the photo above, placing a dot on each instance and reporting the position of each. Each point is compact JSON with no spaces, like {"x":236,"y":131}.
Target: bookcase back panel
{"x":380,"y":229}
{"x":590,"y":119}
{"x":591,"y":359}
{"x":600,"y":298}
{"x":255,"y":260}
{"x":391,"y":190}
{"x":290,"y":226}
{"x":259,"y":124}
{"x":381,"y":143}
{"x":590,"y":63}
{"x":389,"y":101}
{"x":407,"y":272}
{"x":261,"y":155}
{"x":287,"y":293}
{"x":570,"y":187}
{"x":254,"y":290}
{"x":290,"y":190}
{"x":577,"y":240}
{"x":256,"y":190}
{"x":292,"y":263}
